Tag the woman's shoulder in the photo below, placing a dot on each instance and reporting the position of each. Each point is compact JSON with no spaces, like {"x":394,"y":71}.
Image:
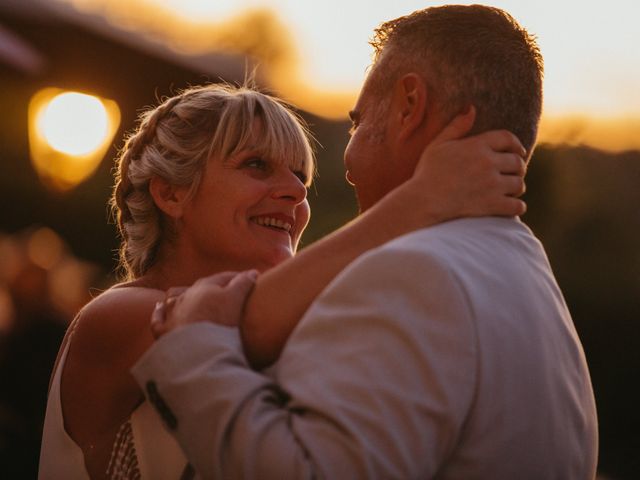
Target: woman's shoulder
{"x":121,"y":298}
{"x":115,"y":318}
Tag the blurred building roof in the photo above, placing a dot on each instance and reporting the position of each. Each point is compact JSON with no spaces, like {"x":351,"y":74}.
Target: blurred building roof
{"x":18,"y":51}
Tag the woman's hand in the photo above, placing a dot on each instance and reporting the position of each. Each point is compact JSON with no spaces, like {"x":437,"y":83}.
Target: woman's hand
{"x":219,"y":299}
{"x":469,"y":177}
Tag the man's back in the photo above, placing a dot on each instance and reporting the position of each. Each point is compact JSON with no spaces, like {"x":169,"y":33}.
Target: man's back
{"x":533,"y":403}
{"x":461,"y":360}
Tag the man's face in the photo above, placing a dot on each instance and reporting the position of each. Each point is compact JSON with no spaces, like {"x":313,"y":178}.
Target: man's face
{"x":368,"y":157}
{"x":381,"y":153}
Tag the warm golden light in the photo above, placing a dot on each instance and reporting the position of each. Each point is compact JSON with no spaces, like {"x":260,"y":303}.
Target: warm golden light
{"x":320,"y":69}
{"x":69,"y":134}
{"x":74,"y":123}
{"x":611,"y":133}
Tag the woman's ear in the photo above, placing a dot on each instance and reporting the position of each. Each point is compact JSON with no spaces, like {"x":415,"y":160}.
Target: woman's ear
{"x":169,"y":198}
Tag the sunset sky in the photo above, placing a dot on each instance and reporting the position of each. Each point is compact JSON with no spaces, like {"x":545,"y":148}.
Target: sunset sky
{"x":591,"y":50}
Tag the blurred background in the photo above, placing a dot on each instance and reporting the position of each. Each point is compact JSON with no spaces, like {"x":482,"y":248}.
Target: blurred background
{"x":102,"y":61}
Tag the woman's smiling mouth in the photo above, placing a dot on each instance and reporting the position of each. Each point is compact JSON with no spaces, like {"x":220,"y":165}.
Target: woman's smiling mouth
{"x":279,"y":222}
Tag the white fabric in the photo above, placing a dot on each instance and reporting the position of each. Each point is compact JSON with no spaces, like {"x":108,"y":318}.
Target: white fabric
{"x":159,"y":455}
{"x":448,"y":353}
{"x":60,"y":456}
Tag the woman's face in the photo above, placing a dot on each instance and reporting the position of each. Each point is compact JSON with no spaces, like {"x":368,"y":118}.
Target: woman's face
{"x":249,"y":212}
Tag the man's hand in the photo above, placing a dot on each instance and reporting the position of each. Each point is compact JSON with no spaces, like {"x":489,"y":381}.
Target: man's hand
{"x":218,"y":299}
{"x":473,"y":176}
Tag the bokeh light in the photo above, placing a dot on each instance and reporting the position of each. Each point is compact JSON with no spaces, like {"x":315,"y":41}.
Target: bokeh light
{"x":6,"y":311}
{"x":45,"y":248}
{"x":74,"y":123}
{"x":69,"y":134}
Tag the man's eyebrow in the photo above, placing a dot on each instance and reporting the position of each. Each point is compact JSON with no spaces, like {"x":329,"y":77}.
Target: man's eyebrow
{"x":354,"y":115}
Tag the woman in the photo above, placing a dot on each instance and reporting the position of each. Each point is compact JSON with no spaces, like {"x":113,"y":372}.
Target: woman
{"x":215,"y":179}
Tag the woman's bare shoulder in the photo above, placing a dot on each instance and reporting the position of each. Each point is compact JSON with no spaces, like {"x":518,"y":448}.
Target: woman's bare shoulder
{"x":121,"y":298}
{"x":114,"y":322}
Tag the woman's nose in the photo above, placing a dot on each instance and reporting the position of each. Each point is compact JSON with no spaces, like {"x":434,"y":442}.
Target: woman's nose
{"x":288,"y":185}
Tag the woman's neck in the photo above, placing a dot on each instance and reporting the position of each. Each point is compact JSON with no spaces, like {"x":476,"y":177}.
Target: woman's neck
{"x":178,"y":267}
{"x":162,"y":277}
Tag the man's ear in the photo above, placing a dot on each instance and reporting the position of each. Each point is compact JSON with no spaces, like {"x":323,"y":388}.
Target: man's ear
{"x":410,"y":98}
{"x":168,"y":197}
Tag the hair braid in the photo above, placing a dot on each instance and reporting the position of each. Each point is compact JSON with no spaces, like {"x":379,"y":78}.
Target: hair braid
{"x":132,"y":207}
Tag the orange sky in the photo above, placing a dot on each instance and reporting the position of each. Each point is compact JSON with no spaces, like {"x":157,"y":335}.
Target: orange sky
{"x":315,"y":54}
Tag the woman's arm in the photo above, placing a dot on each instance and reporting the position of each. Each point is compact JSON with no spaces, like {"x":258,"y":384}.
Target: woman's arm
{"x":476,"y":176}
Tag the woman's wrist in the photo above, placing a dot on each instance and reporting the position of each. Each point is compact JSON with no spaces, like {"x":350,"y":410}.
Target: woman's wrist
{"x":412,"y":208}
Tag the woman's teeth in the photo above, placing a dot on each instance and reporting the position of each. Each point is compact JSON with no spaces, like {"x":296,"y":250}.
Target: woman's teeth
{"x":273,"y":222}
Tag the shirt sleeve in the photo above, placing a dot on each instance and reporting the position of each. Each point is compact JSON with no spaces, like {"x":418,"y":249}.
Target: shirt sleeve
{"x":375,"y":382}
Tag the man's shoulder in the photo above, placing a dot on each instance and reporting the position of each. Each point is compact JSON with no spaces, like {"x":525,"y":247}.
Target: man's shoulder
{"x":418,"y":251}
{"x":460,"y":235}
{"x":453,"y":246}
{"x":448,"y":251}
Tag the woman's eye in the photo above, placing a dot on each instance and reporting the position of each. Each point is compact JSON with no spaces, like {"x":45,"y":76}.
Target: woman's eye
{"x":301,"y":176}
{"x":257,"y":163}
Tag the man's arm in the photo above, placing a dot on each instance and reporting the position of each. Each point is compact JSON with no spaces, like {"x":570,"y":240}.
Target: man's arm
{"x":374,"y":383}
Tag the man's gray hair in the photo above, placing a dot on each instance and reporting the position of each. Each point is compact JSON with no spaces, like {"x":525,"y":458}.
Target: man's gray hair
{"x":468,"y":55}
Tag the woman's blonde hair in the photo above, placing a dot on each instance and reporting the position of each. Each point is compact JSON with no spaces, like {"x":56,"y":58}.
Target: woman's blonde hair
{"x":175,"y":140}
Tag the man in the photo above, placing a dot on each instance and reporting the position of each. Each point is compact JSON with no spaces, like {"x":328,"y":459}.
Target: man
{"x":447,"y":353}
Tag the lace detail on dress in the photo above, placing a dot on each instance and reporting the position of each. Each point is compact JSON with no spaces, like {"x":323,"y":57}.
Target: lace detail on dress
{"x":123,"y":464}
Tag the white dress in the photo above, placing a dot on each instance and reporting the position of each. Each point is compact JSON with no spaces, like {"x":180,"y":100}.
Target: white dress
{"x":143,"y":449}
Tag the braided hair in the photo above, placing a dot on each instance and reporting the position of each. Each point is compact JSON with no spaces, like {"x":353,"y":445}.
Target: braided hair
{"x":176,"y":139}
